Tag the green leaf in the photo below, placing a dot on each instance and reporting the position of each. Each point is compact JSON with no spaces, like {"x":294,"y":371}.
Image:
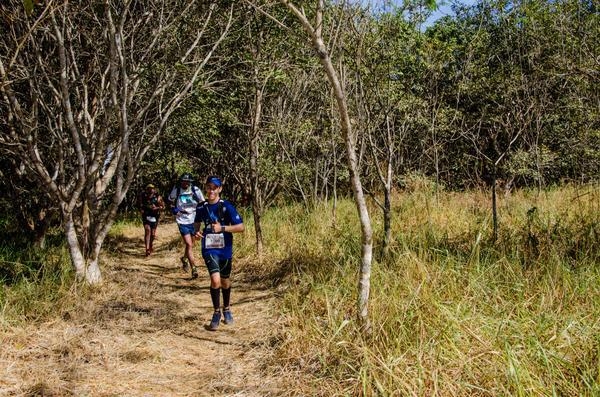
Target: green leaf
{"x":28,"y":4}
{"x":431,"y":4}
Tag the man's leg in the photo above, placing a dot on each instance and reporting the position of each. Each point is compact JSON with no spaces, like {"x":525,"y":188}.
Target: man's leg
{"x":189,"y":253}
{"x":225,"y":266}
{"x":215,"y":290}
{"x":212,"y":265}
{"x":147,"y":234}
{"x":153,"y":235}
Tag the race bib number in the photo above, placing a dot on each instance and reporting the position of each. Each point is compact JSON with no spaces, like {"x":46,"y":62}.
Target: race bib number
{"x":151,"y":218}
{"x":214,"y":240}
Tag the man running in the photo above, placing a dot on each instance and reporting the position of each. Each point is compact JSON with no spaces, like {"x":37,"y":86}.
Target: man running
{"x":185,"y":197}
{"x":220,"y":219}
{"x":150,"y":204}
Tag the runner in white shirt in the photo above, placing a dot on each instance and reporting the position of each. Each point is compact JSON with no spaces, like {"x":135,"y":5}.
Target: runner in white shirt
{"x":184,"y":198}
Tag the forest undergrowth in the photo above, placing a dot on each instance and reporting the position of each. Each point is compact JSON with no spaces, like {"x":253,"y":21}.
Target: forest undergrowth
{"x":453,"y":312}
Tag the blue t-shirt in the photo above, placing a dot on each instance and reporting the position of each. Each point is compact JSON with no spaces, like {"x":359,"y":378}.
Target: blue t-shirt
{"x":223,"y":212}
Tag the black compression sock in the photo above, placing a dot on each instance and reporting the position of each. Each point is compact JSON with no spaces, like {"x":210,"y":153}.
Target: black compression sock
{"x":226,"y":296}
{"x":215,"y":297}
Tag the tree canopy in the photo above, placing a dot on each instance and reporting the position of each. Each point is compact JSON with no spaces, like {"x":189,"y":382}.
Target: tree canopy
{"x":99,"y":99}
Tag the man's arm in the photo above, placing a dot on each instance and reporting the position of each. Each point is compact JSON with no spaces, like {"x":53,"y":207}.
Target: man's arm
{"x":238,"y":228}
{"x":161,"y":203}
{"x":236,"y":224}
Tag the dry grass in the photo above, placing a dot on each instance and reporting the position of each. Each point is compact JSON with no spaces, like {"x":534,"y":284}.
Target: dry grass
{"x":142,"y":333}
{"x":454,"y":313}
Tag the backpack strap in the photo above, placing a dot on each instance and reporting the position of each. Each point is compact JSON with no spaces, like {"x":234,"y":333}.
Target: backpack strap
{"x":194,"y":195}
{"x":194,"y":187}
{"x":177,"y":195}
{"x":220,"y":210}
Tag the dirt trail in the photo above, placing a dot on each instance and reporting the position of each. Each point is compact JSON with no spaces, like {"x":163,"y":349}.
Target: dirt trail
{"x":143,"y":333}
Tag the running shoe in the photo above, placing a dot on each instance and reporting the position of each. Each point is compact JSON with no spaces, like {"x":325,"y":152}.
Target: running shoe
{"x":227,"y":316}
{"x":216,"y":319}
{"x":184,"y":264}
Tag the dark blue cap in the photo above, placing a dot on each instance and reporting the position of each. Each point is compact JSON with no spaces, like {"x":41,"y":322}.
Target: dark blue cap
{"x":214,"y":180}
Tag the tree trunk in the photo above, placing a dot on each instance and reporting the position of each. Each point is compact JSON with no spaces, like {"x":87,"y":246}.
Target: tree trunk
{"x":335,"y":176}
{"x":364,"y":282}
{"x":254,"y":173}
{"x":387,"y":184}
{"x":387,"y":222}
{"x":84,"y":270}
{"x":494,"y":208}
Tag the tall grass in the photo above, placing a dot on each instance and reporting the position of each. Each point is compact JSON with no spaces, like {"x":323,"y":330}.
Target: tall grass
{"x":37,"y":284}
{"x":34,"y":283}
{"x":453,"y":312}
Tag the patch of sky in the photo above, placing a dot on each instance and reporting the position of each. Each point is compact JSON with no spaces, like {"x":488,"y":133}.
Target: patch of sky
{"x":441,"y":8}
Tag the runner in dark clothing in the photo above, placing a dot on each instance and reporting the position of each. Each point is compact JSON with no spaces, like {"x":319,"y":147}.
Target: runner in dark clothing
{"x":150,"y":204}
{"x":216,"y":220}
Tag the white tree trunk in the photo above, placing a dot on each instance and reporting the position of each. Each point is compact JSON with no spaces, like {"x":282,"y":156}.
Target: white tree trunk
{"x":364,"y":283}
{"x":92,"y":274}
{"x":85,"y":270}
{"x":74,"y":248}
